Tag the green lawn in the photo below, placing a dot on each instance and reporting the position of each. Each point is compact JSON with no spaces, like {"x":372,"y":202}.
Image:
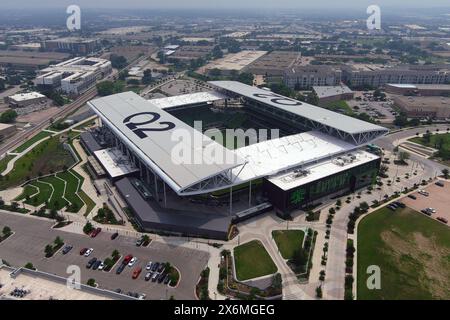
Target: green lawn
{"x":252,"y":260}
{"x":435,"y":139}
{"x":339,"y":106}
{"x":288,"y":241}
{"x":90,"y":204}
{"x":412,"y":251}
{"x":49,"y":156}
{"x":71,"y":190}
{"x":45,"y":191}
{"x":41,"y":135}
{"x":28,"y":190}
{"x":57,"y":201}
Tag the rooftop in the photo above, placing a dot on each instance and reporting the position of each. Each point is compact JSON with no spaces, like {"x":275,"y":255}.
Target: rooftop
{"x":236,"y":61}
{"x":187,"y":99}
{"x":319,"y":115}
{"x":329,"y":91}
{"x":115,"y":162}
{"x":160,"y":144}
{"x":26,"y":96}
{"x":320,"y":170}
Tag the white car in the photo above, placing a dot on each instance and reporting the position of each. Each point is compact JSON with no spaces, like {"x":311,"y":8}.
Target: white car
{"x":88,"y":252}
{"x":149,"y":266}
{"x":132,"y":262}
{"x":432,"y":210}
{"x":101,"y":266}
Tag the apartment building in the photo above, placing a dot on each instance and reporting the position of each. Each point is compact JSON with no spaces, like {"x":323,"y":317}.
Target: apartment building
{"x":306,"y":77}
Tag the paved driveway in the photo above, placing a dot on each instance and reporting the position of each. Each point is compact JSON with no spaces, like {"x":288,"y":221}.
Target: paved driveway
{"x":32,"y":235}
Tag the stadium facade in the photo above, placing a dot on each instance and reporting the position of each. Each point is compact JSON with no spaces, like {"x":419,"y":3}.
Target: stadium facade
{"x":322,"y":155}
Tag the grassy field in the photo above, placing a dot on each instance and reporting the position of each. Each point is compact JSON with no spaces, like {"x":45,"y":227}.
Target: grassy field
{"x":288,"y":241}
{"x":28,"y":191}
{"x":41,"y":135}
{"x":89,"y":203}
{"x":339,"y":106}
{"x":72,"y":186}
{"x":412,"y":251}
{"x":434,"y":143}
{"x":47,"y":157}
{"x":45,"y":192}
{"x":252,"y":260}
{"x":57,"y":201}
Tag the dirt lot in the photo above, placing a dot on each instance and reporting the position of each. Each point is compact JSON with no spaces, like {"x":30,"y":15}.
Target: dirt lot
{"x":38,"y":116}
{"x":438,"y":199}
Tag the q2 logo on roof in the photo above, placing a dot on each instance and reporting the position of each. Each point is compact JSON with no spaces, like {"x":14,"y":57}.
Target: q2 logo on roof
{"x":140,"y":131}
{"x":278,"y":99}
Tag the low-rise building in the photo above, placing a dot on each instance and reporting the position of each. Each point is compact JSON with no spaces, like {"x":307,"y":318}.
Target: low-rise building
{"x":306,"y":77}
{"x":333,"y":93}
{"x":74,"y":76}
{"x":418,"y":89}
{"x":72,"y":45}
{"x":424,"y":107}
{"x":21,"y":100}
{"x":234,"y":62}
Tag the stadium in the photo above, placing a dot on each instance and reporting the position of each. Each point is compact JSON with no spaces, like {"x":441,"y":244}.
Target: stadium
{"x":201,"y":185}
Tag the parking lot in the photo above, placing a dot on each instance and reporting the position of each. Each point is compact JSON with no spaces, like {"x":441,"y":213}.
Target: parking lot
{"x":438,"y":199}
{"x":32,"y":235}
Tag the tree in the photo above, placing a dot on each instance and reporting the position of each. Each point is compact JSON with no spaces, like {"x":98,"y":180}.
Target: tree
{"x":115,"y":254}
{"x":48,"y":250}
{"x":147,"y":78}
{"x":118,"y":62}
{"x":300,"y":257}
{"x":6,"y":231}
{"x":217,"y":52}
{"x":88,"y":228}
{"x":445,"y":173}
{"x":30,"y":266}
{"x":8,"y":116}
{"x":91,"y":282}
{"x":319,"y":292}
{"x":58,"y":241}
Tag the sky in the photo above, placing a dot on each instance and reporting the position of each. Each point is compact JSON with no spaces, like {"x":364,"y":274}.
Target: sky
{"x":229,"y":4}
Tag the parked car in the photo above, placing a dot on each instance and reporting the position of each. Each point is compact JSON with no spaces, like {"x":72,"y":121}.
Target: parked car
{"x":96,"y":232}
{"x":132,"y":261}
{"x":66,"y":249}
{"x":139,"y":242}
{"x":83,"y":251}
{"x":432,"y":210}
{"x":390,"y":207}
{"x":88,"y":252}
{"x":400,"y":204}
{"x":439,"y":184}
{"x":114,"y":235}
{"x":161,"y":267}
{"x":161,"y":277}
{"x":96,"y":264}
{"x":142,"y":296}
{"x":91,"y":263}
{"x":120,"y":268}
{"x":136,"y":272}
{"x":155,"y":266}
{"x":101,"y":266}
{"x":167,"y":279}
{"x":425,"y":212}
{"x":127,"y":259}
{"x":118,"y":290}
{"x":148,"y":267}
{"x":424,"y":193}
{"x":393,"y":205}
{"x":442,"y":219}
{"x":412,"y":196}
{"x":154,"y":277}
{"x":148,"y":276}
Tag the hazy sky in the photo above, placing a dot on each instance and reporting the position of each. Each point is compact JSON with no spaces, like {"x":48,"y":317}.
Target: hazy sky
{"x":210,"y":4}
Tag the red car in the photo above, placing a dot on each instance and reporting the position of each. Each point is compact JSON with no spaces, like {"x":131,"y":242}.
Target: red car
{"x":443,"y":220}
{"x":83,"y":251}
{"x":127,"y":259}
{"x":136,"y":272}
{"x":96,"y":232}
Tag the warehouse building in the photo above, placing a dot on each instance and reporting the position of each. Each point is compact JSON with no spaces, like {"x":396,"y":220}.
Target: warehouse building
{"x":21,"y":100}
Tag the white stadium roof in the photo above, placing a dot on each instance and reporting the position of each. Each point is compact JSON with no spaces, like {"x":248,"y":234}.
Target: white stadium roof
{"x":316,"y":117}
{"x":272,"y":156}
{"x":149,"y":132}
{"x":187,"y":99}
